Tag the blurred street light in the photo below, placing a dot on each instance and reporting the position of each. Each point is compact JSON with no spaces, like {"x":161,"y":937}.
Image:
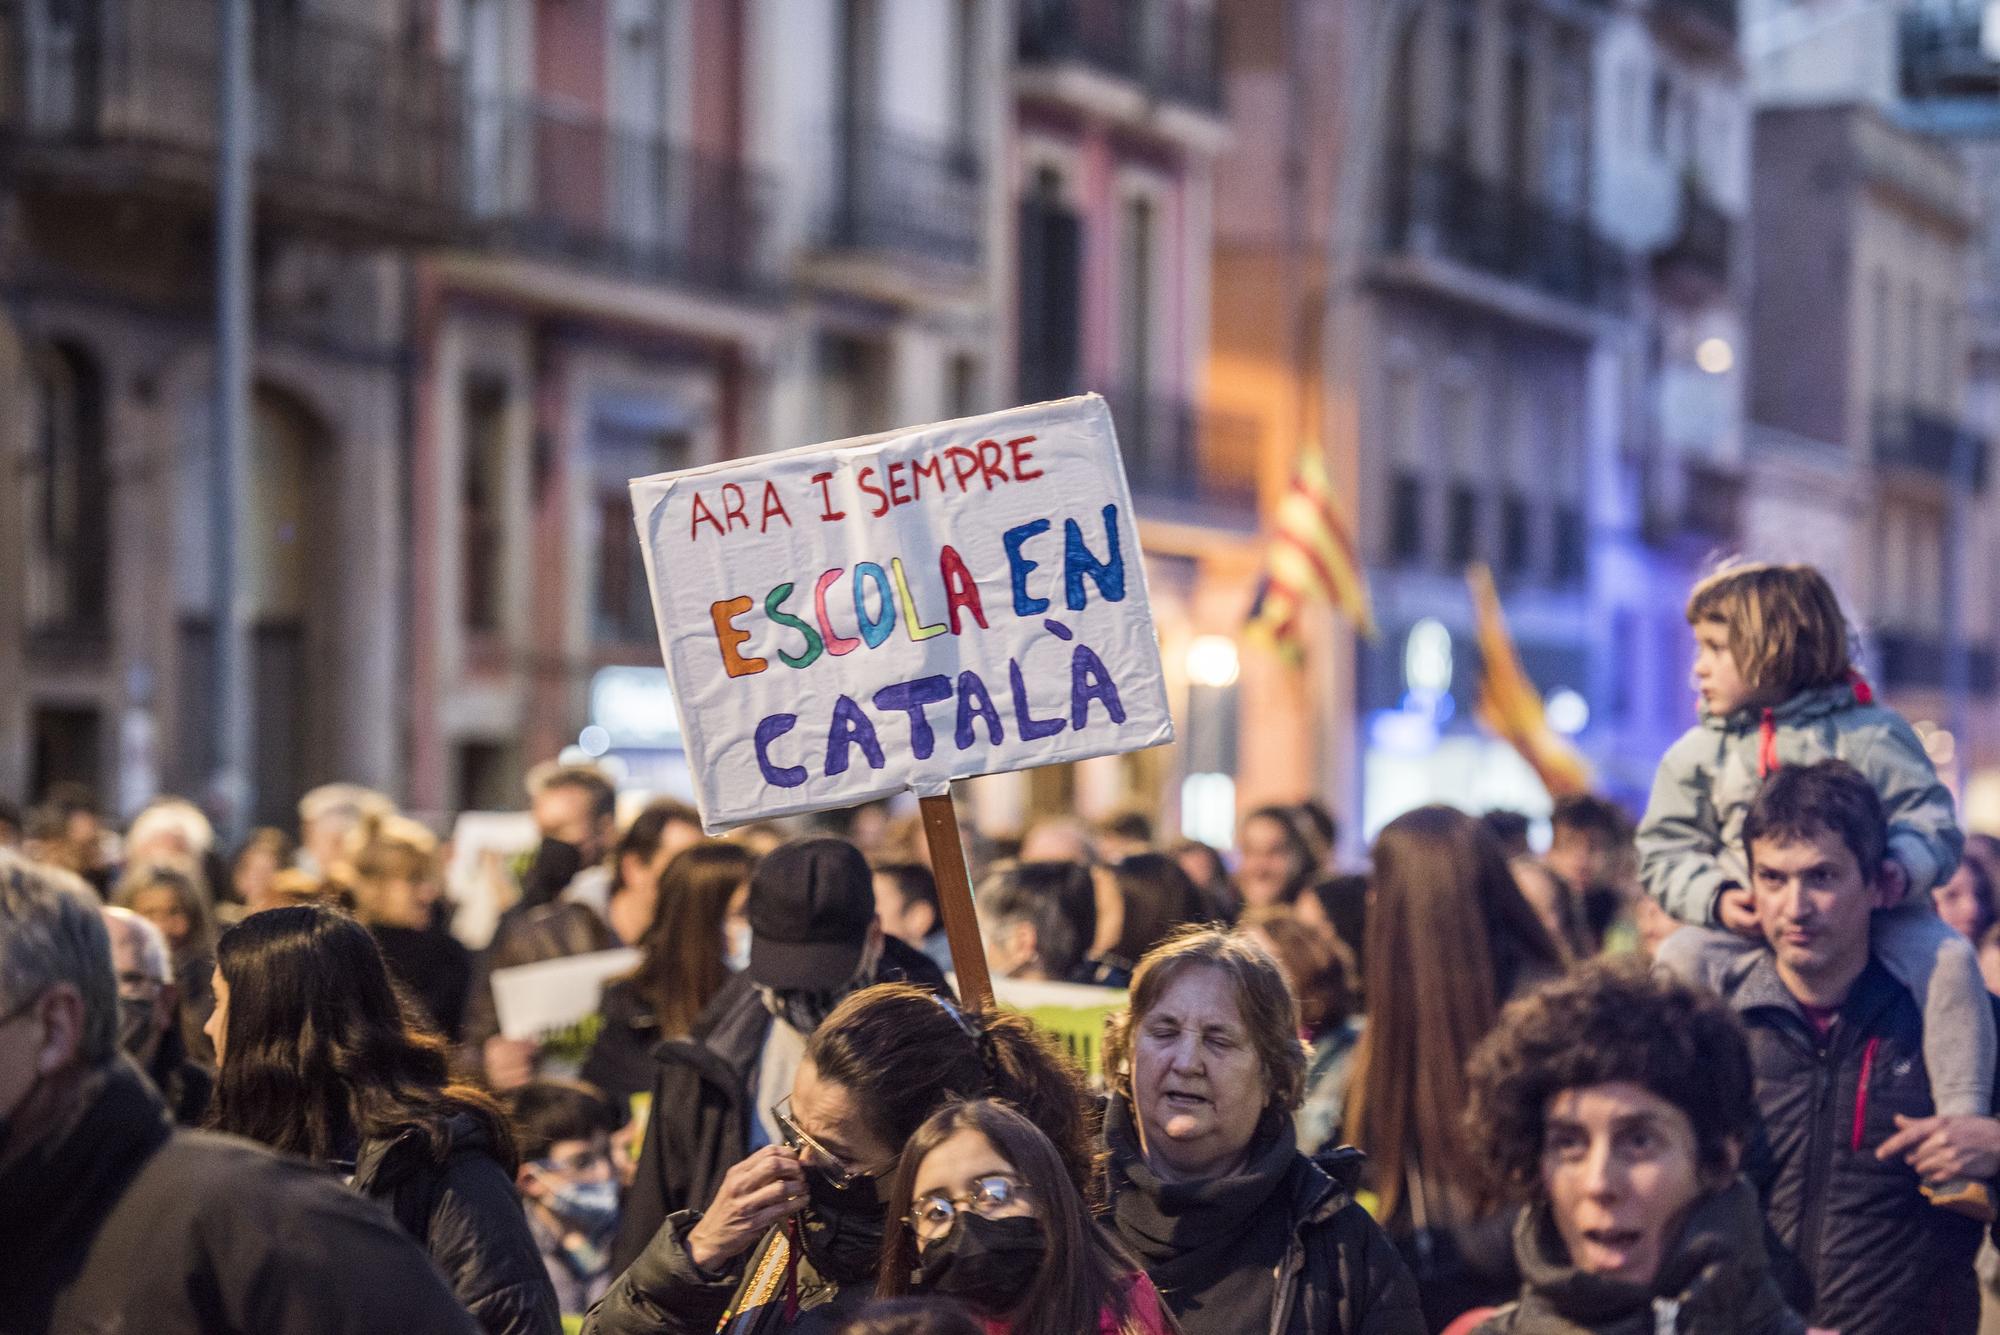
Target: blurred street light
{"x":1715,"y":356}
{"x":1212,"y":661}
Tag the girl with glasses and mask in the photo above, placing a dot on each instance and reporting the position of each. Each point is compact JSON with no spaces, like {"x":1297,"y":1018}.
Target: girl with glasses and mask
{"x":987,"y":1216}
{"x":792,"y":1240}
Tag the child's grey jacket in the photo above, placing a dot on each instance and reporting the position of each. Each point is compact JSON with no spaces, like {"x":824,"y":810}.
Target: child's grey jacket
{"x":1691,"y":841}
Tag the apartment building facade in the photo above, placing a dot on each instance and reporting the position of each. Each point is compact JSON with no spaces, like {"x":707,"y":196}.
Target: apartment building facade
{"x":1485,"y":404}
{"x":1672,"y":139}
{"x":1875,"y":415}
{"x":1116,"y":122}
{"x":108,"y":126}
{"x":705,"y":228}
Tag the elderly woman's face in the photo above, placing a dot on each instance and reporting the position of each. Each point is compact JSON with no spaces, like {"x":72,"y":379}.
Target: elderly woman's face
{"x":1621,"y":1168}
{"x":1197,"y":1081}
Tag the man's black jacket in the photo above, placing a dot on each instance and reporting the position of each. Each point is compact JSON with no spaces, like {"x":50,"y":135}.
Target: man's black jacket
{"x":1859,"y":1249}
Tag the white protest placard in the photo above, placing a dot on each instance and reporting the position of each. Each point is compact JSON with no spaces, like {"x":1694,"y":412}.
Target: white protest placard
{"x":534,"y":1000}
{"x":846,"y":621}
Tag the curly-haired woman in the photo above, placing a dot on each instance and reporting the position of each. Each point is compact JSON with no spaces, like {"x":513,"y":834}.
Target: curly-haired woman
{"x":1617,"y":1103}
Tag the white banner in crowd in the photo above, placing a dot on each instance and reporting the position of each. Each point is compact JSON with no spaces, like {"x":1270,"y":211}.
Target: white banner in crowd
{"x":846,"y":621}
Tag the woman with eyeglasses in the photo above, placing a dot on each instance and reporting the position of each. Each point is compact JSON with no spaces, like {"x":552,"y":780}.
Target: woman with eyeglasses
{"x":987,"y":1216}
{"x":793,"y":1237}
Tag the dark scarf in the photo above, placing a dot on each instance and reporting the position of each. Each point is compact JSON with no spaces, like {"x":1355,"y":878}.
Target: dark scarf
{"x":1211,"y":1248}
{"x":59,"y":1192}
{"x":1716,"y":1271}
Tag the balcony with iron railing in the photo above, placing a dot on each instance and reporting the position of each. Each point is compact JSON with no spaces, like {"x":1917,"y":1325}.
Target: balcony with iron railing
{"x":1172,"y":50}
{"x":902,"y":197}
{"x":1711,"y":21}
{"x":1177,"y":452}
{"x":1943,"y":54}
{"x":1916,"y":442}
{"x":1440,"y":207}
{"x":357,"y":132}
{"x":620,"y":201}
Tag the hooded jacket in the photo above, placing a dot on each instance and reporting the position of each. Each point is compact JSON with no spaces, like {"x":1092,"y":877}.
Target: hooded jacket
{"x":1691,"y":840}
{"x":1860,"y":1250}
{"x":699,"y":1127}
{"x":1715,"y":1280}
{"x":120,"y":1222}
{"x":763,"y":1293}
{"x":462,"y":1207}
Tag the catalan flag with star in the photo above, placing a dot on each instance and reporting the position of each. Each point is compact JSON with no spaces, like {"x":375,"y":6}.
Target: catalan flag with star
{"x":1311,"y":559}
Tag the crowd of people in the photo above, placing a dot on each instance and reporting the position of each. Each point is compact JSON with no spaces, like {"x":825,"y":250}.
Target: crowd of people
{"x":1724,"y":1070}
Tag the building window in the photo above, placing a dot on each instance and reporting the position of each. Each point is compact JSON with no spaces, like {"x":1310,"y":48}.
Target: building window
{"x":962,"y":385}
{"x":1136,"y":305}
{"x":482,"y":503}
{"x":1406,"y":519}
{"x":853,"y":385}
{"x":1462,"y":533}
{"x":1520,"y":127}
{"x":1626,"y":663}
{"x":67,"y":748}
{"x":1572,"y":545}
{"x":636,"y":100}
{"x":622,"y":449}
{"x":1051,"y":287}
{"x":484,"y":777}
{"x":966,"y":78}
{"x":69,"y":526}
{"x":1514,"y":535}
{"x":1464,"y":81}
{"x":1663,"y":107}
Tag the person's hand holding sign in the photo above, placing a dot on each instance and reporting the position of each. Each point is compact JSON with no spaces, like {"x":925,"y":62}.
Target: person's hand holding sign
{"x":755,"y":1196}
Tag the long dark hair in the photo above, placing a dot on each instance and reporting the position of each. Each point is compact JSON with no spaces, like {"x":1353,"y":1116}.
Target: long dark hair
{"x":320,"y":1054}
{"x":1159,"y":899}
{"x":1305,"y":864}
{"x":902,"y":1053}
{"x":1084,"y":1269}
{"x":1449,"y":935}
{"x":681,"y":965}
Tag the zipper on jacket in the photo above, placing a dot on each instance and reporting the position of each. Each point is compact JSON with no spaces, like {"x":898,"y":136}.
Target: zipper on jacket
{"x":1287,"y":1286}
{"x":1817,"y":1167}
{"x":1861,"y":1090}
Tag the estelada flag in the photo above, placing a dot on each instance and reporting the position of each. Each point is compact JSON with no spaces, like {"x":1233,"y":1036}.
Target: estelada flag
{"x":1510,"y":706}
{"x":1311,"y":557}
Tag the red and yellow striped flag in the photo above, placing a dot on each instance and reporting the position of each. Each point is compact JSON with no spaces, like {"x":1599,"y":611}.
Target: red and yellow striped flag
{"x":1510,"y":706}
{"x":1311,"y":557}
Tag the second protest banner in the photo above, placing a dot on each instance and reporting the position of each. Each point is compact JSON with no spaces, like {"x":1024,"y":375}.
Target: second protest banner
{"x":843,"y":622}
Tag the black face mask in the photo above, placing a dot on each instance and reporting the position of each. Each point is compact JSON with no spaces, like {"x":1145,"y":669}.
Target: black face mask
{"x":135,"y":1025}
{"x":841,"y":1228}
{"x":985,"y":1263}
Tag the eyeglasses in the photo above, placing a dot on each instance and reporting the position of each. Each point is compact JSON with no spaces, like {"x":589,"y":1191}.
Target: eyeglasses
{"x":138,"y":987}
{"x":813,"y":1154}
{"x":990,"y":1196}
{"x":578,"y":1163}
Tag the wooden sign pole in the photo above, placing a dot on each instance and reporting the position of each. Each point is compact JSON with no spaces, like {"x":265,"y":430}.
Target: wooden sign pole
{"x":954,"y":886}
